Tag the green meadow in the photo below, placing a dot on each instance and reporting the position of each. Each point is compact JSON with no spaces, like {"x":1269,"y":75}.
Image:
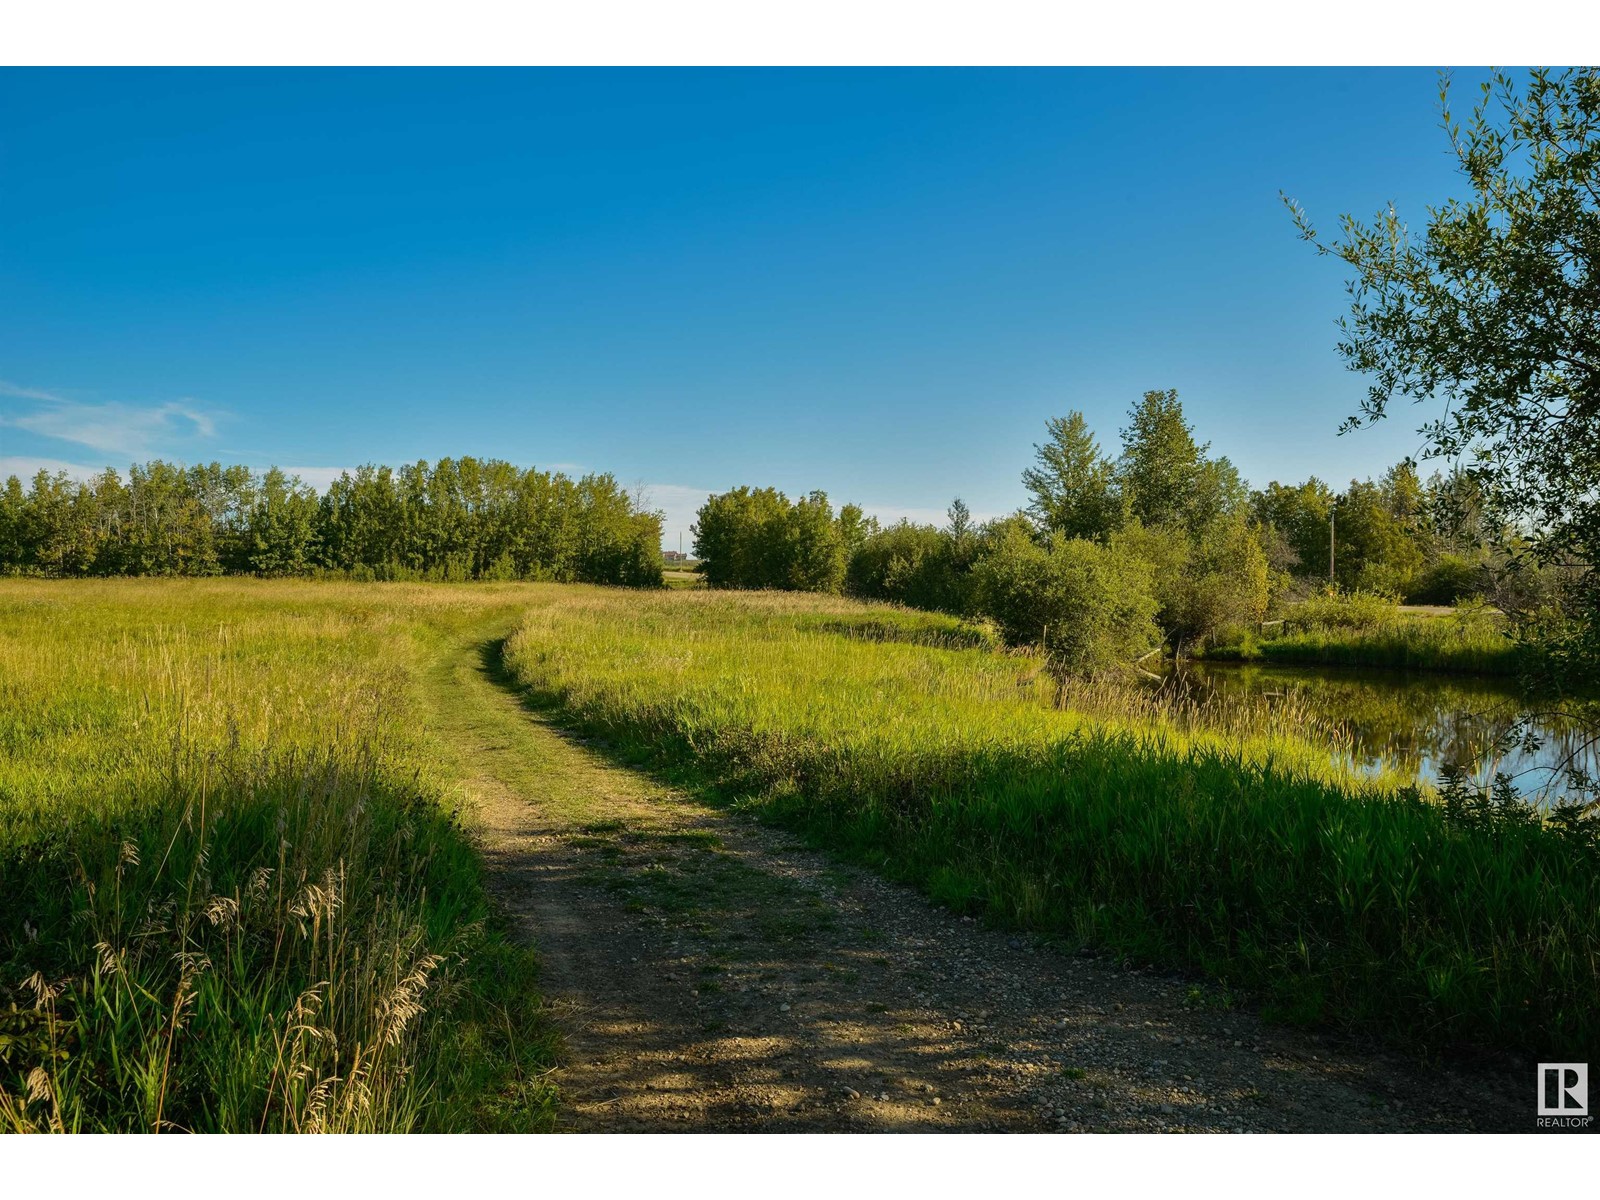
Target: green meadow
{"x":236,"y":893}
{"x":907,"y":741}
{"x":241,"y":890}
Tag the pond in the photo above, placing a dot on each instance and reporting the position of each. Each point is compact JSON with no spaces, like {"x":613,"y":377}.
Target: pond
{"x":1420,"y":724}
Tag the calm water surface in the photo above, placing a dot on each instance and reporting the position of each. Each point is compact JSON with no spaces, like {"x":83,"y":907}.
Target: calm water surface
{"x":1419,"y":724}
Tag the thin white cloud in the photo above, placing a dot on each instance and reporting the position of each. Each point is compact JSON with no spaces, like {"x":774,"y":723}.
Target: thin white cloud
{"x":25,"y":468}
{"x":673,"y":497}
{"x":22,"y":393}
{"x":317,"y":478}
{"x":121,"y":429}
{"x":893,"y":514}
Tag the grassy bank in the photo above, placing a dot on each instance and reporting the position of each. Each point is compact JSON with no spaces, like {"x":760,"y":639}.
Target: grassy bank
{"x":1363,"y":631}
{"x":236,"y":897}
{"x":902,"y":740}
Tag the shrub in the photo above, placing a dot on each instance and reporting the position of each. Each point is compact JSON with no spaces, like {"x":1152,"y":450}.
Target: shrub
{"x":1449,"y":580}
{"x":1090,"y":606}
{"x":1226,"y":585}
{"x":1204,"y":584}
{"x":915,"y":565}
{"x":1342,"y":610}
{"x":759,"y":538}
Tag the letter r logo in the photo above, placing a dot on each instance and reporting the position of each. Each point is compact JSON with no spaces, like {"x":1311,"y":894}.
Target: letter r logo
{"x":1563,"y":1089}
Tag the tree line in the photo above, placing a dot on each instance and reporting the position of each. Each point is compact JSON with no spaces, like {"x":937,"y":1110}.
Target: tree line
{"x":456,"y":519}
{"x":1115,"y":555}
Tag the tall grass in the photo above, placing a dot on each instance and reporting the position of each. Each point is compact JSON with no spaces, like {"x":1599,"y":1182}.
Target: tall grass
{"x":949,"y":765}
{"x":1369,"y":631}
{"x":235,"y":895}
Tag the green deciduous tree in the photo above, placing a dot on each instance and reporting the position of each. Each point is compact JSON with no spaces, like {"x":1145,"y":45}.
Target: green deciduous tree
{"x":282,"y":527}
{"x":1160,"y":462}
{"x":1073,"y":485}
{"x":1376,"y":551}
{"x":1218,"y":492}
{"x":1204,"y":584}
{"x":759,"y":538}
{"x":813,"y":547}
{"x":1489,"y":313}
{"x":1299,"y":513}
{"x":14,"y":543}
{"x":1225,"y":585}
{"x":738,"y":537}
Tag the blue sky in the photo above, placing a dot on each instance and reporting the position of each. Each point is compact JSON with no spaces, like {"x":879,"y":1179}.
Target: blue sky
{"x":878,"y":283}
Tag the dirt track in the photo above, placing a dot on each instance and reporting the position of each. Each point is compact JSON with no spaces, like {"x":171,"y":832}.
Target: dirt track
{"x":710,"y":974}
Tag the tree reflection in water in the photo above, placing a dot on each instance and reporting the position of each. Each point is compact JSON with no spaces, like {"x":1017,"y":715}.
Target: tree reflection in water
{"x":1418,"y":724}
